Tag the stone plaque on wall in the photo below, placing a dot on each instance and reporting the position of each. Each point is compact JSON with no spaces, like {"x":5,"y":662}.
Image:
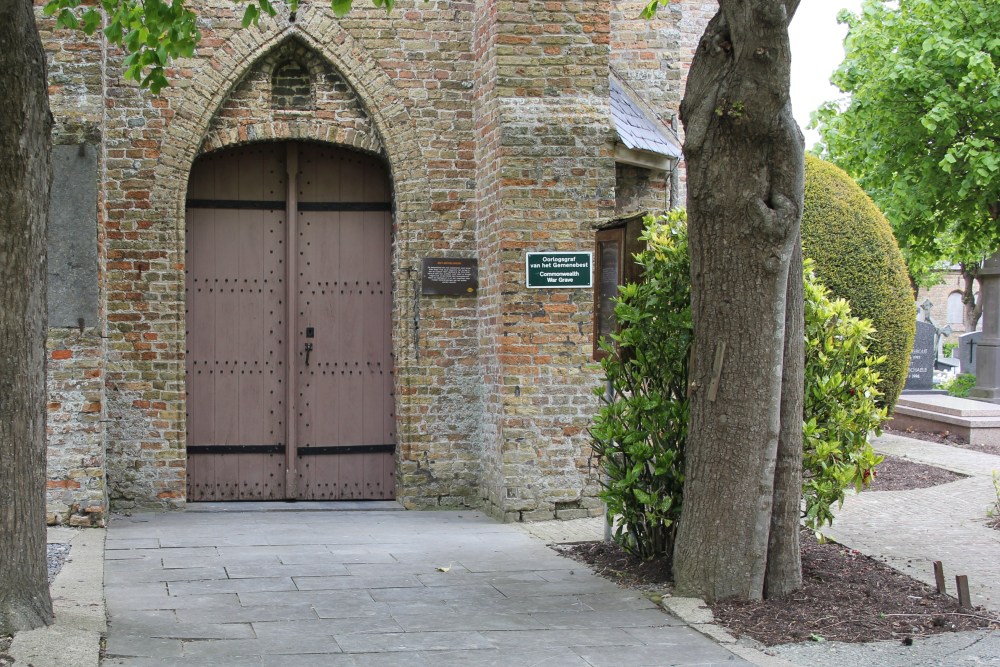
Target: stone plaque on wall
{"x":72,"y":237}
{"x":449,"y":276}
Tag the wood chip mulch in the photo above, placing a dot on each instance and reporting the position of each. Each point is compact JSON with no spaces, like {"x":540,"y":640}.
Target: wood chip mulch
{"x":849,"y":597}
{"x":898,"y":474}
{"x":845,"y":596}
{"x":947,"y":438}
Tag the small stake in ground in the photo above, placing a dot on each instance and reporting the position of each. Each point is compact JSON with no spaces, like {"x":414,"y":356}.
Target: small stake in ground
{"x":964,"y":599}
{"x":939,"y":576}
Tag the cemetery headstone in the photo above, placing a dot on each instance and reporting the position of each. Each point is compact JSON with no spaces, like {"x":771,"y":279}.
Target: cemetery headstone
{"x":921,"y":375}
{"x":967,"y":344}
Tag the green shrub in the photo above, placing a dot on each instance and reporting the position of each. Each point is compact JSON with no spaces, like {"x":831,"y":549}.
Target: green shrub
{"x":857,"y":258}
{"x":841,"y":403}
{"x":640,"y":431}
{"x":639,"y":434}
{"x":960,"y":385}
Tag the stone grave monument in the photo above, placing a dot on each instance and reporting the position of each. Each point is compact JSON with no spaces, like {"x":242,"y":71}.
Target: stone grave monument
{"x":967,"y":344}
{"x":920,"y":378}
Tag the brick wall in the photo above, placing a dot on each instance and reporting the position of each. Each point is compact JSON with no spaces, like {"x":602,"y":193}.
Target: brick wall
{"x":493,"y":119}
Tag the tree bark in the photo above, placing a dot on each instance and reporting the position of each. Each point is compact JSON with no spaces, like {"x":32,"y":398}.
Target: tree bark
{"x":784,"y":555}
{"x":25,"y":123}
{"x":745,"y":159}
{"x":971,"y":309}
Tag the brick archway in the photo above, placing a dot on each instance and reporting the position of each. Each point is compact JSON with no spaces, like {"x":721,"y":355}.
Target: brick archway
{"x":190,"y":134}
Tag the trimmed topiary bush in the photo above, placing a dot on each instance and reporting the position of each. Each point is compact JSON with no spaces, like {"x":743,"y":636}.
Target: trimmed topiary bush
{"x":857,"y":258}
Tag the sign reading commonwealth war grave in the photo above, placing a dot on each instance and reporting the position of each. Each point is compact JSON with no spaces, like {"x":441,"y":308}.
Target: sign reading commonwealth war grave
{"x":559,"y":269}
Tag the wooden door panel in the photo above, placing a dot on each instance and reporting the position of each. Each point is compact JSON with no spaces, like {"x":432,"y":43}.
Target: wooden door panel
{"x":234,"y":316}
{"x":236,"y":310}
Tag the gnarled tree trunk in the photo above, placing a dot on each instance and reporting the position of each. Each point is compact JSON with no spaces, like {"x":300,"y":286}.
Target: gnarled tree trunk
{"x":24,"y":194}
{"x":744,"y":155}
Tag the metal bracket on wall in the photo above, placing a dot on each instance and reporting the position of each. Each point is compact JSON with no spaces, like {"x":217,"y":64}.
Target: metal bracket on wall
{"x":416,"y":315}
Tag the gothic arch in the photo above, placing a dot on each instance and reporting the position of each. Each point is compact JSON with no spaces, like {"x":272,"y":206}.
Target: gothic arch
{"x":395,"y":140}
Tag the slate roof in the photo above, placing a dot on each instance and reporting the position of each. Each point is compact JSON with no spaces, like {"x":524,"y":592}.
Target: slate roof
{"x":637,"y":128}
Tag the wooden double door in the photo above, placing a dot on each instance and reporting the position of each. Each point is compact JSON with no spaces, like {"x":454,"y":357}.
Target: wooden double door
{"x":288,"y":318}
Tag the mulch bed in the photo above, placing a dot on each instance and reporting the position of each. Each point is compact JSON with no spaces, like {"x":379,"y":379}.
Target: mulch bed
{"x":947,"y":438}
{"x":897,"y":474}
{"x":849,"y":597}
{"x":845,"y":596}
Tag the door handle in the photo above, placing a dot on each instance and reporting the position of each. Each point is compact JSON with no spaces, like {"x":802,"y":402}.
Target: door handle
{"x":309,"y":348}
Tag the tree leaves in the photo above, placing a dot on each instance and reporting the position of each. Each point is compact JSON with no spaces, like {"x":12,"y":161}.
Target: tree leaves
{"x":153,"y":32}
{"x":920,"y":130}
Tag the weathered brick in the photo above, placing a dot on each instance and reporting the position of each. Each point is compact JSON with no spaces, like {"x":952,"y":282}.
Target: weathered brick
{"x":494,"y":120}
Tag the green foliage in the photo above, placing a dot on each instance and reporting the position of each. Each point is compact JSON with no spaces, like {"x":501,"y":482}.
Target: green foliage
{"x":921,"y":131}
{"x":639,"y":434}
{"x":150,"y":31}
{"x":640,"y":431}
{"x":154,"y":32}
{"x":841,"y":402}
{"x":960,"y":385}
{"x":857,"y":258}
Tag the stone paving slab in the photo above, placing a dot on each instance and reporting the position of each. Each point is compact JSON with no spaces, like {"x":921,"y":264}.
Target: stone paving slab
{"x":369,"y":589}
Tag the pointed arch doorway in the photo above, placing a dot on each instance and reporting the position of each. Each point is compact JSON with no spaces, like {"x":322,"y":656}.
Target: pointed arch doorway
{"x":288,"y":320}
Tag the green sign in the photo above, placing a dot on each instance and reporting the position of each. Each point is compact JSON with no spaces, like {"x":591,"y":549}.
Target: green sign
{"x":559,"y":269}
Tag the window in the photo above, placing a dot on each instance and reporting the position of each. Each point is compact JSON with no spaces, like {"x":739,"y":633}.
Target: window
{"x":616,"y":245}
{"x":956,"y":309}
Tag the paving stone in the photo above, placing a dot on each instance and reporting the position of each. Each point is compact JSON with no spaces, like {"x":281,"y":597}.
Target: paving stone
{"x":243,"y":661}
{"x":160,"y":574}
{"x":136,"y":543}
{"x":547,"y":588}
{"x":548,"y":657}
{"x":412,"y":641}
{"x":282,"y":570}
{"x":327,"y":627}
{"x":568,"y":620}
{"x":240,"y":614}
{"x":473,"y":592}
{"x":142,"y":646}
{"x":441,"y":622}
{"x":550,"y":637}
{"x":347,"y":582}
{"x":309,"y":660}
{"x":344,"y":597}
{"x":224,"y":585}
{"x":261,"y":646}
{"x":659,"y":655}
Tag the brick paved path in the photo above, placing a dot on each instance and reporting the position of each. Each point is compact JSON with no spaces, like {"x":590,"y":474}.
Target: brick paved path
{"x":909,"y":530}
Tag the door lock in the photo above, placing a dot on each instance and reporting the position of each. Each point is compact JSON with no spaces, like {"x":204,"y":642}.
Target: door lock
{"x":309,"y":348}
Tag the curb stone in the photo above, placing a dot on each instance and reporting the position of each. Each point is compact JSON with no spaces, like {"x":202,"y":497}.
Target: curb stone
{"x":74,"y":638}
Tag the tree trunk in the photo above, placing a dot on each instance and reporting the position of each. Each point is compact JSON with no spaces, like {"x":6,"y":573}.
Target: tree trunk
{"x":784,"y":555}
{"x":745,"y":159}
{"x":972,"y":310}
{"x":24,"y":195}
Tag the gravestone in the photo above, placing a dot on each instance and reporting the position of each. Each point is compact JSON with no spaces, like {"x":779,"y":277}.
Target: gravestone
{"x":921,"y":375}
{"x":967,"y":344}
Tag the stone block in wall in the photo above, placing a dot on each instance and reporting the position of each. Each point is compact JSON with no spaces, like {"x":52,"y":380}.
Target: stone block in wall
{"x":72,"y":247}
